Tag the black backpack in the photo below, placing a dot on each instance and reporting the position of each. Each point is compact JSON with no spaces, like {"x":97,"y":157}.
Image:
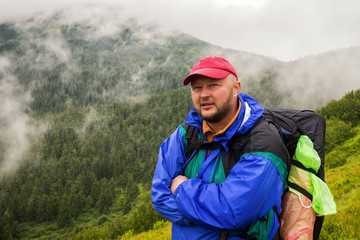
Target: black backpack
{"x":291,"y":124}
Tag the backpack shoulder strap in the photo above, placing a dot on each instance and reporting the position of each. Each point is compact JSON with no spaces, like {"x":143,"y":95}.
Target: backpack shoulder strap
{"x":191,"y":134}
{"x":194,"y":142}
{"x":236,"y":147}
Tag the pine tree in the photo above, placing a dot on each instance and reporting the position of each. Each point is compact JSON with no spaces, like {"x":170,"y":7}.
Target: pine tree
{"x":65,"y":215}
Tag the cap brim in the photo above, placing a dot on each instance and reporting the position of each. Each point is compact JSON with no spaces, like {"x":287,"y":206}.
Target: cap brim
{"x":207,"y":72}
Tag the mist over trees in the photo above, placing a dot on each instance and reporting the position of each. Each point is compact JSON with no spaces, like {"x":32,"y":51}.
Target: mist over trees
{"x":102,"y":164}
{"x":62,"y":66}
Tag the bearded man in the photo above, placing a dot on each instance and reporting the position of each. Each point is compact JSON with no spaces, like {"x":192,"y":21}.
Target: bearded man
{"x":207,"y":189}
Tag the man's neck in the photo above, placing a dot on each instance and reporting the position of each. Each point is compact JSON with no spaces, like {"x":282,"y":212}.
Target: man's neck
{"x":224,"y":123}
{"x":218,"y":126}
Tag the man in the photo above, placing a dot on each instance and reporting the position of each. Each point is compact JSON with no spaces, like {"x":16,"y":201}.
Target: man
{"x":212,"y":194}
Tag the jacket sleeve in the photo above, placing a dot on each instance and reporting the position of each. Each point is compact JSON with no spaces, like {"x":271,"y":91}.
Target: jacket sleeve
{"x":170,"y":164}
{"x":252,"y":188}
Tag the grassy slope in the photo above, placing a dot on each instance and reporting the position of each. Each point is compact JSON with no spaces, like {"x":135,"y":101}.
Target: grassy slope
{"x":163,"y":233}
{"x":344,"y":183}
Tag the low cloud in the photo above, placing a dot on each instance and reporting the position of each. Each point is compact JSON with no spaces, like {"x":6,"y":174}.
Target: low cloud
{"x":314,"y":81}
{"x":281,"y":29}
{"x":16,"y":126}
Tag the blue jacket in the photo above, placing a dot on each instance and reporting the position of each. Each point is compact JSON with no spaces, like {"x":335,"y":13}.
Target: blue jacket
{"x":202,"y":207}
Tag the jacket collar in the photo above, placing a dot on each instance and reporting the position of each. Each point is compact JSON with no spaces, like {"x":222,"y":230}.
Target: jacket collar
{"x":250,"y":112}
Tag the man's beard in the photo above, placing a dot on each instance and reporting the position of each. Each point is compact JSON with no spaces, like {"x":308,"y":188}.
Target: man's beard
{"x":218,"y":116}
{"x":222,"y":111}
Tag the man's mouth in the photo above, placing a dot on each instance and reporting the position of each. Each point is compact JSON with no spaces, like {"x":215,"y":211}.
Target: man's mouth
{"x":206,"y":105}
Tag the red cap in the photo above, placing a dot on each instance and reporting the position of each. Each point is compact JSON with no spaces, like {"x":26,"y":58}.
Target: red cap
{"x":212,"y":67}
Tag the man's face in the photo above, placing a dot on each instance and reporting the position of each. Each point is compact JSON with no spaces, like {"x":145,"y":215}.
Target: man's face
{"x":215,"y":99}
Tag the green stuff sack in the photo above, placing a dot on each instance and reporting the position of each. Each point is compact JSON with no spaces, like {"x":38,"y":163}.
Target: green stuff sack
{"x":322,"y":202}
{"x":306,"y":154}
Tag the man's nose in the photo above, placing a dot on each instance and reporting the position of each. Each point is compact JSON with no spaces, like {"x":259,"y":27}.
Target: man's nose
{"x":205,"y":92}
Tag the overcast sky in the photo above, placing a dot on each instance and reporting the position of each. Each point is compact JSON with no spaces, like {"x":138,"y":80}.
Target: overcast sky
{"x":282,"y":29}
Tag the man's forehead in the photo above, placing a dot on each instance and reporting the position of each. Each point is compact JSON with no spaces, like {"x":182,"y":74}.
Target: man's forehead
{"x":203,"y":79}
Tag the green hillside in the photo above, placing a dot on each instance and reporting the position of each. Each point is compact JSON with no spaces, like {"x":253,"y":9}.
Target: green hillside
{"x":94,"y":160}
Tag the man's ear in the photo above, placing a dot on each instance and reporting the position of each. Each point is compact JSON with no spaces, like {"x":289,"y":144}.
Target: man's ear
{"x":237,"y":88}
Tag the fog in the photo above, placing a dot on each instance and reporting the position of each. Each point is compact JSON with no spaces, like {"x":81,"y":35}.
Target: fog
{"x":315,"y":80}
{"x":16,"y":126}
{"x":280,"y":29}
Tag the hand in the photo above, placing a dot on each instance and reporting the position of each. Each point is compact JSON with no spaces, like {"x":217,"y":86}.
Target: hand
{"x":176,"y":182}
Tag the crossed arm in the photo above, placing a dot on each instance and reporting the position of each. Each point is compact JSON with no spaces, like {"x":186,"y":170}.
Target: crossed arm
{"x":176,"y":182}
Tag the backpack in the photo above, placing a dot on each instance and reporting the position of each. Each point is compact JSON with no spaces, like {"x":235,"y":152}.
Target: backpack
{"x":291,"y":124}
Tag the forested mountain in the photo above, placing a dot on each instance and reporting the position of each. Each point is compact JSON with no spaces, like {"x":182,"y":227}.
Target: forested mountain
{"x":70,"y":65}
{"x":97,"y":158}
{"x":83,"y":114}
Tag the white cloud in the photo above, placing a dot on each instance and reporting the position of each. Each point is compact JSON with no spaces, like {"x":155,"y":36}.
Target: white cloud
{"x":16,"y":126}
{"x":282,"y":29}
